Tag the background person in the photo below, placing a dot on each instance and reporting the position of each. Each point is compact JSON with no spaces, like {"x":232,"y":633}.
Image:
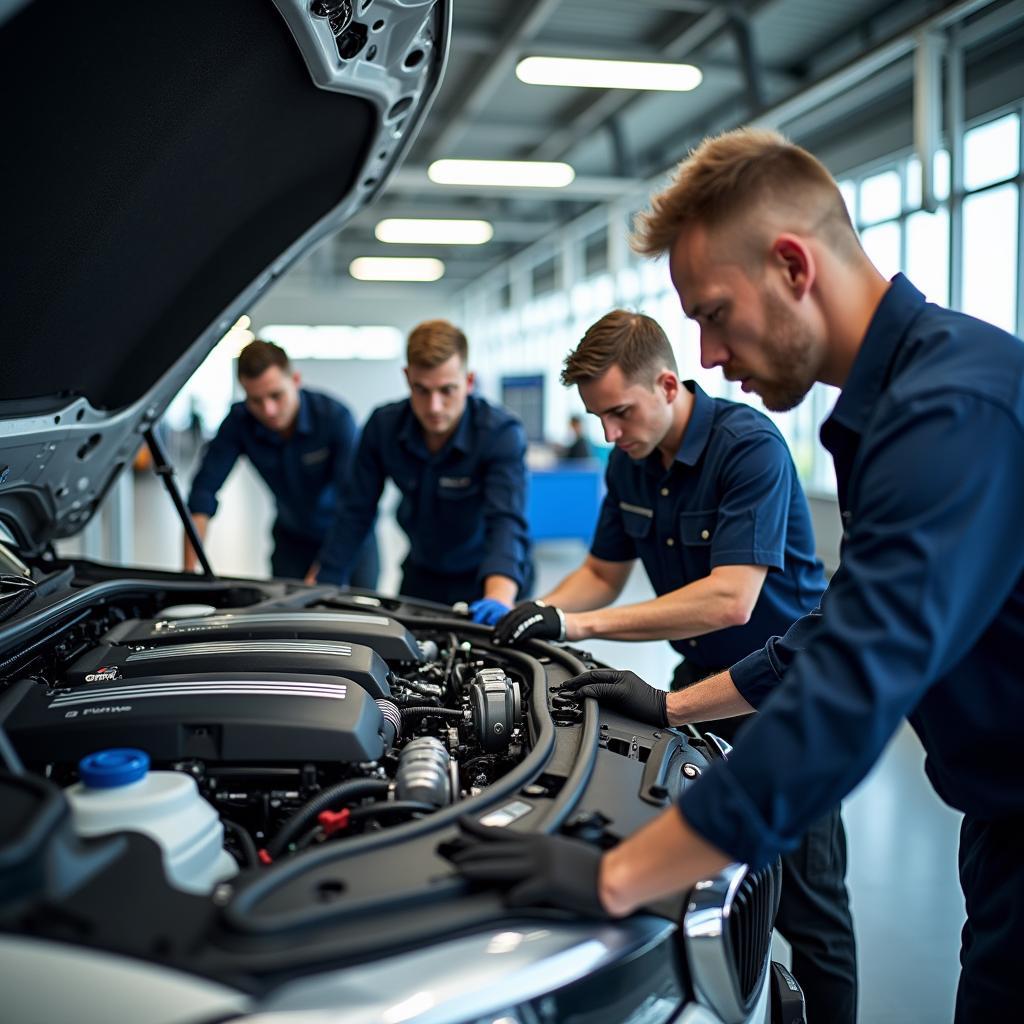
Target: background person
{"x":922,"y":618}
{"x":301,"y":443}
{"x":704,"y":492}
{"x":579,"y":446}
{"x":459,"y":464}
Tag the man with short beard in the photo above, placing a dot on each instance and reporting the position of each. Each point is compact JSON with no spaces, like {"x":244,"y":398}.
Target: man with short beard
{"x":702,"y":491}
{"x":925,"y":615}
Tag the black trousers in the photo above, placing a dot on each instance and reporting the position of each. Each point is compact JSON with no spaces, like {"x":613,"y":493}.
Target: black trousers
{"x":446,"y":588}
{"x":992,"y":877}
{"x":814,"y":908}
{"x":294,"y":554}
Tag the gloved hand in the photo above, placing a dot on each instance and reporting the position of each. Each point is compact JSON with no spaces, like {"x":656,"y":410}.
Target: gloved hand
{"x":487,"y":610}
{"x":531,"y":620}
{"x":624,"y":692}
{"x":533,"y":870}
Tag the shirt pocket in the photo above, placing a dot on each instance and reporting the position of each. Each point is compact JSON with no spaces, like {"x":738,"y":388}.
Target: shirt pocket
{"x":457,"y":488}
{"x":636,"y":520}
{"x":696,"y":532}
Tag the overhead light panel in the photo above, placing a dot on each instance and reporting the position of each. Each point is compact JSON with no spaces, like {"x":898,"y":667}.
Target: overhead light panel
{"x":434,"y":232}
{"x":505,"y":173}
{"x":608,"y":74}
{"x":393,"y":268}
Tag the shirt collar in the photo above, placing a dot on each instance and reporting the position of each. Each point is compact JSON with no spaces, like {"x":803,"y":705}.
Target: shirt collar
{"x":898,"y":308}
{"x":698,"y":430}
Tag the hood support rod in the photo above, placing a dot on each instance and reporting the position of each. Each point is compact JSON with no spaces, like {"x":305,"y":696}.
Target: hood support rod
{"x":163,"y":469}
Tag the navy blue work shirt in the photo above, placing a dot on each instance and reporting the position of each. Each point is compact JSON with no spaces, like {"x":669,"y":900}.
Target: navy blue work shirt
{"x":463,"y":507}
{"x":304,"y":471}
{"x":730,"y":497}
{"x":925,"y":616}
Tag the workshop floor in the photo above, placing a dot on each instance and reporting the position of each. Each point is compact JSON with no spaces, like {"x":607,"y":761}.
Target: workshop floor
{"x":907,"y":905}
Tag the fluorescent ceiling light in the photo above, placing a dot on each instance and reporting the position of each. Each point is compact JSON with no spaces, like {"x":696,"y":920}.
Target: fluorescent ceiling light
{"x":390,"y":268}
{"x":430,"y":232}
{"x":510,"y":173}
{"x":608,"y":74}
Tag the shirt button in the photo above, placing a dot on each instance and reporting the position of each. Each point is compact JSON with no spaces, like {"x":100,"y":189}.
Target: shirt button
{"x":664,"y":492}
{"x":670,"y":542}
{"x":693,"y":643}
{"x":704,"y":534}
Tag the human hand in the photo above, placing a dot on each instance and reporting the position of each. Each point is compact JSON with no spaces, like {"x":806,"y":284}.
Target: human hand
{"x":624,"y":692}
{"x":311,"y":574}
{"x":531,"y":620}
{"x":532,"y":870}
{"x":487,"y":611}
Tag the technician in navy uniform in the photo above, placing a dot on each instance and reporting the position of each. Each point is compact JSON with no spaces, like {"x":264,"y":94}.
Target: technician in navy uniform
{"x":301,"y":443}
{"x":459,"y":463}
{"x":704,"y":492}
{"x":925,"y":616}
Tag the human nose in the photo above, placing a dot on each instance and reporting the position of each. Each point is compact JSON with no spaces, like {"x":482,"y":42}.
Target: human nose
{"x":712,"y":353}
{"x":436,"y":401}
{"x":611,"y":432}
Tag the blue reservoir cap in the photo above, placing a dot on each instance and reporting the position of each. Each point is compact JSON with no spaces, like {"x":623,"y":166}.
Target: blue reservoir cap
{"x":110,"y":768}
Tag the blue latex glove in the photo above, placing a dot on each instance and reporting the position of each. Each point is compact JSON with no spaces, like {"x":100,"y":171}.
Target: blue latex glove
{"x":488,"y":611}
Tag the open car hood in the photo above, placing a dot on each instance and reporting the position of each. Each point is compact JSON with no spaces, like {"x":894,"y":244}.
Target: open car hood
{"x":169,"y":164}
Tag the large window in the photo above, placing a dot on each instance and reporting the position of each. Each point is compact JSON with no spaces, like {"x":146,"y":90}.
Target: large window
{"x":885,"y":204}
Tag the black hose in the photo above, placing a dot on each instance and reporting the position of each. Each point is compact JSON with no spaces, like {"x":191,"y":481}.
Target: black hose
{"x":13,"y":605}
{"x":422,"y":711}
{"x":343,"y":792}
{"x":247,"y":848}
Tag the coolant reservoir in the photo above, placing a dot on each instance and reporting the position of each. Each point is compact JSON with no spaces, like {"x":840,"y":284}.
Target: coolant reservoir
{"x":118,"y":793}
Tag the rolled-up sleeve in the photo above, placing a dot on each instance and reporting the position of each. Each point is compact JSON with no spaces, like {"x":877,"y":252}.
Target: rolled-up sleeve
{"x":757,"y":481}
{"x":931,"y":554}
{"x":504,"y":505}
{"x":220,"y":455}
{"x":358,"y":497}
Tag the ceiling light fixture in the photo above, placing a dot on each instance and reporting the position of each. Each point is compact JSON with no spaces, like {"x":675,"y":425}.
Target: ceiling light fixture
{"x":608,"y":74}
{"x":391,"y":268}
{"x":506,"y":173}
{"x":397,"y":230}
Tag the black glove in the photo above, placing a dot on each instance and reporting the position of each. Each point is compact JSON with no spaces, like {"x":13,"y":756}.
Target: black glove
{"x":531,"y":620}
{"x":624,"y":692}
{"x":533,"y":870}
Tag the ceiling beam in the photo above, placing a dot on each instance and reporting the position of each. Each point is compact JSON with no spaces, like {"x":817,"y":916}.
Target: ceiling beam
{"x":526,"y":22}
{"x":587,"y":119}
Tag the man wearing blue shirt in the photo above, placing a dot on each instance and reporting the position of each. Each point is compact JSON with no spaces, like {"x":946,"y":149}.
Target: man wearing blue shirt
{"x":924,"y":617}
{"x":704,"y":492}
{"x":301,"y":443}
{"x":459,"y":463}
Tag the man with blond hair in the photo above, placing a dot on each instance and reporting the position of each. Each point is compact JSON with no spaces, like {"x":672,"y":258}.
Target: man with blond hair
{"x":925,"y":614}
{"x":704,"y":493}
{"x":459,"y":463}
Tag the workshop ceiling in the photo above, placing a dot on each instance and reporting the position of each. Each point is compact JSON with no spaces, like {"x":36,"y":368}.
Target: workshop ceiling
{"x":753,"y":54}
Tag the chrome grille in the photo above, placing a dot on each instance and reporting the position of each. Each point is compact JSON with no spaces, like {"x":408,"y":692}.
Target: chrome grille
{"x":750,"y":920}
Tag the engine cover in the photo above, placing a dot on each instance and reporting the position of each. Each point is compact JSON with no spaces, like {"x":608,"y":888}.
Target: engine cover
{"x":255,"y":717}
{"x":110,"y":663}
{"x":389,"y":638}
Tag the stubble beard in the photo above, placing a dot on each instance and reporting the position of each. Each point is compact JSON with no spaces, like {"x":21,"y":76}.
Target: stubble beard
{"x":791,"y":351}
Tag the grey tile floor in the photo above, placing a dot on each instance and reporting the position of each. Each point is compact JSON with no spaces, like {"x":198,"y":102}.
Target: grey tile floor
{"x":907,"y":904}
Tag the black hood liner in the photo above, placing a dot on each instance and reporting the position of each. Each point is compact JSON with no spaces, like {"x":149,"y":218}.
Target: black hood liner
{"x":158,"y":158}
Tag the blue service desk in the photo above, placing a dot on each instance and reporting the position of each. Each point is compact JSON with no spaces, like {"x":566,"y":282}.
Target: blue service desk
{"x":564,"y":502}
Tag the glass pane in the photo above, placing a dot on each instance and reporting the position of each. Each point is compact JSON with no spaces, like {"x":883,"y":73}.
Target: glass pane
{"x":990,"y":256}
{"x":991,"y":152}
{"x":882,"y":244}
{"x":880,"y":197}
{"x":928,"y":254}
{"x":941,"y":174}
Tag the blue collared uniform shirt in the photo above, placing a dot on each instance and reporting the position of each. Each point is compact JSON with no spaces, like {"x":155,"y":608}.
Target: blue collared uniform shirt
{"x":463,"y":508}
{"x":731,"y":497}
{"x":925,"y":617}
{"x":303,"y":471}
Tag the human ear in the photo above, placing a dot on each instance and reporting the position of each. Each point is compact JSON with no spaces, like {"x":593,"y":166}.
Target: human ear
{"x":792,"y":257}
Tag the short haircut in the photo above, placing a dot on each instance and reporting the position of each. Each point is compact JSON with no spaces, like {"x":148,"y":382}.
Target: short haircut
{"x":634,"y":343}
{"x":743,"y":172}
{"x":434,"y":342}
{"x":259,"y":356}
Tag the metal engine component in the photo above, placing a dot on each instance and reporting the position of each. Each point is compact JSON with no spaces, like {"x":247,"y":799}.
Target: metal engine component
{"x":392,"y":717}
{"x":497,"y":708}
{"x":423,"y":772}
